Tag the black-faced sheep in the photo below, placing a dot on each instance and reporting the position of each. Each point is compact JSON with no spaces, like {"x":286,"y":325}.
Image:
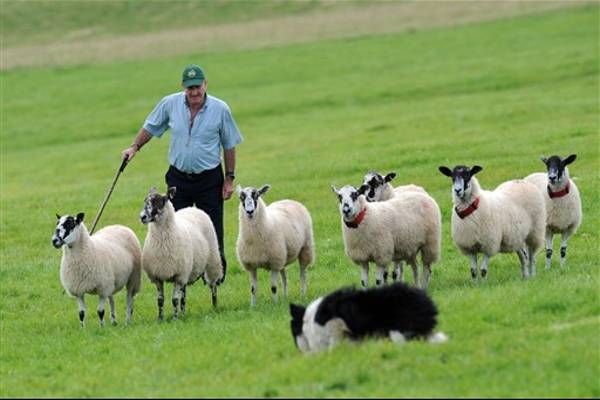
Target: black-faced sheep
{"x":180,"y":247}
{"x":511,"y":218}
{"x":563,"y":203}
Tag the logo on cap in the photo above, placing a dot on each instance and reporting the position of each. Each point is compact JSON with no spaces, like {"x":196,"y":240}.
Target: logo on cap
{"x":191,"y":73}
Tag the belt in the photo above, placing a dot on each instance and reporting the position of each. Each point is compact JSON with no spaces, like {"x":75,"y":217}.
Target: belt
{"x":191,"y":175}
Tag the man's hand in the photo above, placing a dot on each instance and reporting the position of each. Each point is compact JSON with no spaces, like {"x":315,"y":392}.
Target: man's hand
{"x":129,"y":153}
{"x":227,"y":188}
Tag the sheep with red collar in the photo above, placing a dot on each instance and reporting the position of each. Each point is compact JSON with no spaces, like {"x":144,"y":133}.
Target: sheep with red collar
{"x":273,"y":237}
{"x":563,"y":203}
{"x":180,"y":247}
{"x":100,"y":264}
{"x":390,"y":231}
{"x":511,"y":218}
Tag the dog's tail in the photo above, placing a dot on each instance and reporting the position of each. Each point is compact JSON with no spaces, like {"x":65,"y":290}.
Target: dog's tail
{"x":438,"y":337}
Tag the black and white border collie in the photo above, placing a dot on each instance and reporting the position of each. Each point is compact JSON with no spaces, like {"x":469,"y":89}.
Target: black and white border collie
{"x":397,"y":311}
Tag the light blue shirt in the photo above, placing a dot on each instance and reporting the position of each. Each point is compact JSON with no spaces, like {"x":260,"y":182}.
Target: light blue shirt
{"x":194,"y":148}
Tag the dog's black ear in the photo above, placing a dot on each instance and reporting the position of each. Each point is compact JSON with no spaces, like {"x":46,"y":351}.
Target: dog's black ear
{"x":296,"y":311}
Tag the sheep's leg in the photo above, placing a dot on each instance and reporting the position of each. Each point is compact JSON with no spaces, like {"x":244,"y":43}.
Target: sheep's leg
{"x":398,"y":272}
{"x":364,"y":277}
{"x":253,"y":287}
{"x":274,"y":281}
{"x":129,"y":307}
{"x":303,"y":279}
{"x":532,"y":262}
{"x":81,"y":302}
{"x":484,"y":266}
{"x":182,"y":303}
{"x":283,"y":284}
{"x":101,"y":310}
{"x":426,"y":276}
{"x":563,"y":248}
{"x":524,"y":261}
{"x":175,"y":299}
{"x":113,"y":313}
{"x":160,"y":300}
{"x":213,"y":292}
{"x":474,"y":266}
{"x":549,"y":237}
{"x":415,"y":270}
{"x":380,"y":276}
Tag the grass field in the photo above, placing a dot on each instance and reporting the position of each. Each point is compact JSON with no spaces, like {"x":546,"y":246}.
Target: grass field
{"x":496,"y":94}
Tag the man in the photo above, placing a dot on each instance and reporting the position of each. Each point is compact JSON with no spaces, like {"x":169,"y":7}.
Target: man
{"x":200,"y":125}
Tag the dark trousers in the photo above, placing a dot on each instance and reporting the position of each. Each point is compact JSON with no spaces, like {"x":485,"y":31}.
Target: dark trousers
{"x":205,"y":191}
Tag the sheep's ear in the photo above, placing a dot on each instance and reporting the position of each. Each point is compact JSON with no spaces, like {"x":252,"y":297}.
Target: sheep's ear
{"x":79,"y":218}
{"x":543,"y":158}
{"x":264,"y":189}
{"x":569,"y":159}
{"x":475,"y":169}
{"x":389,"y":176}
{"x":57,"y":216}
{"x":238,"y":189}
{"x":171,"y":192}
{"x":334,"y":189}
{"x":363,"y":189}
{"x":152,"y":190}
{"x":446,"y":171}
{"x":296,"y":311}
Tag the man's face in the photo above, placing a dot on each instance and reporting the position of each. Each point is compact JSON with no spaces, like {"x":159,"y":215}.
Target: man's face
{"x":195,"y":94}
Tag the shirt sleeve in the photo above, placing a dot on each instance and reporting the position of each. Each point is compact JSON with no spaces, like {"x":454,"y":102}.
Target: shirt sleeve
{"x":157,"y":121}
{"x":230,"y":134}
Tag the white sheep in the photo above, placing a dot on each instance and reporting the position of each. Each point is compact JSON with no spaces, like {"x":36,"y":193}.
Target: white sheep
{"x":563,"y":203}
{"x":180,"y":247}
{"x":394,"y":230}
{"x":273,"y":237}
{"x":100,"y":264}
{"x":380,"y":188}
{"x":509,"y":219}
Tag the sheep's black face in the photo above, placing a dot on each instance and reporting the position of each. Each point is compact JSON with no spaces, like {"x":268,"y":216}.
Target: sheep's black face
{"x":66,"y":230}
{"x":556,"y":167}
{"x":249,"y":198}
{"x":348,"y":199}
{"x":153,"y":207}
{"x":376,"y":183}
{"x":461,"y":179}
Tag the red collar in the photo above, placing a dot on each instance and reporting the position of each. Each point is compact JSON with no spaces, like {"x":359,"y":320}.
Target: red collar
{"x":357,"y":220}
{"x":469,"y":210}
{"x":560,"y":193}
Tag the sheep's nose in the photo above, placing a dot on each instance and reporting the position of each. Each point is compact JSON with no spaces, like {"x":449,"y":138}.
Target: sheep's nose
{"x":457,"y":191}
{"x":56,"y":243}
{"x":552,"y":178}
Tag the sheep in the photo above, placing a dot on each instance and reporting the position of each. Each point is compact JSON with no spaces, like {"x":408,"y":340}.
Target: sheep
{"x":100,"y":264}
{"x":273,"y":237}
{"x":180,"y":247}
{"x":563,"y":203}
{"x":380,"y":188}
{"x":509,"y":219}
{"x":393,"y":230}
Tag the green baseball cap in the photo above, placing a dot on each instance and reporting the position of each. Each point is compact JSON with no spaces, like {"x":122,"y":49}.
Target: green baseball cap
{"x":192,"y":76}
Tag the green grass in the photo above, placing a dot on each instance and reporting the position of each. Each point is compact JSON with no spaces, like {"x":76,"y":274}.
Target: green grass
{"x":496,"y":94}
